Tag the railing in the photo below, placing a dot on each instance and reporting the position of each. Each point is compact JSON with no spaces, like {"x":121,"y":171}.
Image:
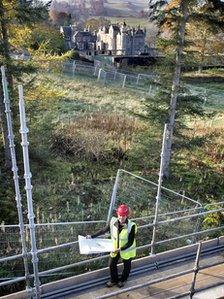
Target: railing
{"x":84,"y":262}
{"x":192,"y":290}
{"x":136,"y":190}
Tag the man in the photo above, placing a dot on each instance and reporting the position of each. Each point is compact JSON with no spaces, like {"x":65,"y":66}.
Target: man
{"x":123,"y":233}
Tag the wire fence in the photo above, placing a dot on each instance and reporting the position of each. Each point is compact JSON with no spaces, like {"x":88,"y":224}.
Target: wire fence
{"x":138,"y":82}
{"x":141,"y":195}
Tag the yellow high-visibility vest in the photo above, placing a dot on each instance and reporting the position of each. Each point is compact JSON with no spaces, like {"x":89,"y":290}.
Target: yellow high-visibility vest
{"x":123,"y":239}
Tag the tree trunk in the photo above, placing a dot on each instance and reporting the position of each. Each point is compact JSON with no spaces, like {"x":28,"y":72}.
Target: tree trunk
{"x":4,"y":130}
{"x":6,"y":55}
{"x":175,"y":85}
{"x":202,"y":58}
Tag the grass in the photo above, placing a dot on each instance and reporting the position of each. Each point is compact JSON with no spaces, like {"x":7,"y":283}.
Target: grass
{"x":213,"y":94}
{"x":89,"y":95}
{"x":87,"y":131}
{"x":214,"y":72}
{"x":92,"y":120}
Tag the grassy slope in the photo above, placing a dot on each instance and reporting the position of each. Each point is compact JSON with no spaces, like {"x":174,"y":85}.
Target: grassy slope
{"x":74,"y":187}
{"x":213,"y":94}
{"x":83,"y":98}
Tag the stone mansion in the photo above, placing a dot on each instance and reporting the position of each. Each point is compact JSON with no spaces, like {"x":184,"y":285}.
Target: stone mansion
{"x":121,"y":40}
{"x":115,"y":39}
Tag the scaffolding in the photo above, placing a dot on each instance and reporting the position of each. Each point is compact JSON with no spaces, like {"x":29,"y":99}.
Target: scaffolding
{"x":166,"y":219}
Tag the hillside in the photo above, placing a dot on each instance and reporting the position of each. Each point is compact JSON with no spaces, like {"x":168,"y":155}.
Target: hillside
{"x":111,"y":8}
{"x":116,"y":8}
{"x":85,"y":132}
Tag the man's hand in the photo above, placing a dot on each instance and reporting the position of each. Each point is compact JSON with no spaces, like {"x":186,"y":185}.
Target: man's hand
{"x":88,"y":237}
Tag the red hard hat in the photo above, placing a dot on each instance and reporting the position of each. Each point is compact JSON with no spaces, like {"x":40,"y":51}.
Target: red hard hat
{"x":123,"y":210}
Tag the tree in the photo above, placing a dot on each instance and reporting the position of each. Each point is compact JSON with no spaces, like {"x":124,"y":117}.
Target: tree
{"x":60,"y":17}
{"x":95,"y":24}
{"x":14,"y":13}
{"x":184,"y":11}
{"x":205,"y":43}
{"x":4,"y":53}
{"x":175,"y":16}
{"x":31,"y":39}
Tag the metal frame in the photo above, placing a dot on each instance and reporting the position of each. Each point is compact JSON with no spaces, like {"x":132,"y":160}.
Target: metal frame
{"x":27,"y":175}
{"x":195,"y":270}
{"x":105,"y":256}
{"x":16,"y":179}
{"x":28,"y":187}
{"x":158,"y":196}
{"x":162,"y":187}
{"x":113,"y":197}
{"x":192,"y":290}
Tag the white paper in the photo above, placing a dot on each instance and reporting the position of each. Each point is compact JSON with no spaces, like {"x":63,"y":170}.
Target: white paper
{"x":96,"y":245}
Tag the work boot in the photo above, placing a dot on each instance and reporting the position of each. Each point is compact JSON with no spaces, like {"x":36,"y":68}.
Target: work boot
{"x":121,"y":284}
{"x":110,"y":284}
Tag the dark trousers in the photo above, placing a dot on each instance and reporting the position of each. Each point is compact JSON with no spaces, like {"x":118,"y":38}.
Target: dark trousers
{"x":113,"y":261}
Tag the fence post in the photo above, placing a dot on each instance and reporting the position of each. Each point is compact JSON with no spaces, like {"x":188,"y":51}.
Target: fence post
{"x":138,"y":78}
{"x":73,"y":68}
{"x":124,"y":81}
{"x":16,"y":179}
{"x":150,"y":89}
{"x":115,"y":74}
{"x":205,"y":98}
{"x":113,"y":196}
{"x":28,"y":187}
{"x":94,"y":74}
{"x":99,"y":74}
{"x":196,"y":270}
{"x":158,"y":196}
{"x":105,"y":76}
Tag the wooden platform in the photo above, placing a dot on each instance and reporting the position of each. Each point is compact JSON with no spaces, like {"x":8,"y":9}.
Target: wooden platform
{"x":168,"y":288}
{"x":163,"y":290}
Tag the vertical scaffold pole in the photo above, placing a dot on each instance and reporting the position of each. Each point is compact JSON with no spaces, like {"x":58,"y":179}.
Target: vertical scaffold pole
{"x":158,"y":196}
{"x":113,"y":197}
{"x":28,"y":187}
{"x":16,"y":180}
{"x":196,"y":270}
